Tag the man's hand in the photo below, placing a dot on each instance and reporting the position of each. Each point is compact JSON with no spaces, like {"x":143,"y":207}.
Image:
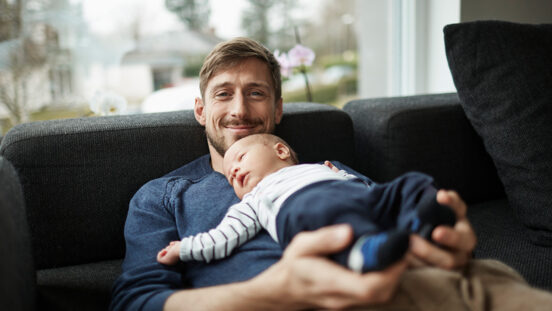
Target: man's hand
{"x":305,"y":278}
{"x":457,"y":243}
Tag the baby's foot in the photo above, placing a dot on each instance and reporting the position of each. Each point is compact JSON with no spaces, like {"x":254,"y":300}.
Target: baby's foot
{"x":430,"y":214}
{"x":377,"y":251}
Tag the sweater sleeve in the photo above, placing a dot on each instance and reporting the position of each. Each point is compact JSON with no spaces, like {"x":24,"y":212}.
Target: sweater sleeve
{"x":144,"y":283}
{"x":239,"y":225}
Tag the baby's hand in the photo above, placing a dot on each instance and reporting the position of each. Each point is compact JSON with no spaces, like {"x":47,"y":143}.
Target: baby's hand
{"x":170,"y":255}
{"x":330,"y":165}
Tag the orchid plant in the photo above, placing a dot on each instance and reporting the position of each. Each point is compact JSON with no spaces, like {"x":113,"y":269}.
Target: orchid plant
{"x":299,"y":57}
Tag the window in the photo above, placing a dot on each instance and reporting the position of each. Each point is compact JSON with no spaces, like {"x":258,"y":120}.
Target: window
{"x":61,"y":53}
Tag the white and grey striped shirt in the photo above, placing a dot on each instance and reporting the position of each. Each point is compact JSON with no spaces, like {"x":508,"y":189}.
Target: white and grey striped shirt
{"x":257,"y":210}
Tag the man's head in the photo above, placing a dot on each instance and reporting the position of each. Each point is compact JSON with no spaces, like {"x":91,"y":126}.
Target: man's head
{"x":254,"y":157}
{"x":229,"y":53}
{"x":241,"y":94}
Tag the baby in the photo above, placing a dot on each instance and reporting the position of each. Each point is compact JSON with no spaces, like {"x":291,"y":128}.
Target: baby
{"x":283,"y":197}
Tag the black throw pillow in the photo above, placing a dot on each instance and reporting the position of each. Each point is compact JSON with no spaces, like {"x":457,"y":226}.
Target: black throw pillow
{"x":503,"y":75}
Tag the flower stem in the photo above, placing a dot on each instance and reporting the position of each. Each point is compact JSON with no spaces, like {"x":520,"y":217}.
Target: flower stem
{"x":307,"y":85}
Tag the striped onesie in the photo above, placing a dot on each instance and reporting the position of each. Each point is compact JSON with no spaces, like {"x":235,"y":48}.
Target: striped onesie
{"x":257,"y":210}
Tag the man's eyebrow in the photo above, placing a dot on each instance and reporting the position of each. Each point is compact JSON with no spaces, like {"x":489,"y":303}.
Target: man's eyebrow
{"x":222,"y":84}
{"x":258,"y":84}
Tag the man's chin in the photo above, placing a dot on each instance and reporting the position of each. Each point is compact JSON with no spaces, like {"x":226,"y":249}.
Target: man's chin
{"x":237,"y":135}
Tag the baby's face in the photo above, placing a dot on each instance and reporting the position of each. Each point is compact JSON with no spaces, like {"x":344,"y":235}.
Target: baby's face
{"x":247,"y":162}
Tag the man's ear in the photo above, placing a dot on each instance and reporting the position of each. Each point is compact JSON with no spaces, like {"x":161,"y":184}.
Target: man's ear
{"x":279,"y":111}
{"x":282,"y":151}
{"x":199,"y":111}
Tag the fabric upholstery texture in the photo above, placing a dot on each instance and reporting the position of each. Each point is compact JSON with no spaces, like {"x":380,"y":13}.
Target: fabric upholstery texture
{"x":17,"y":277}
{"x":397,"y":135}
{"x":504,"y":239}
{"x":503,"y":75}
{"x":80,"y":287}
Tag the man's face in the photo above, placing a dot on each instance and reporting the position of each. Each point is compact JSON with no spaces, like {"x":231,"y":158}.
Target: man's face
{"x":238,"y":101}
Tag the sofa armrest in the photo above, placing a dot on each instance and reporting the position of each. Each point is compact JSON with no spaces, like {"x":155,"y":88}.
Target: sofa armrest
{"x":426,"y":133}
{"x":17,"y":281}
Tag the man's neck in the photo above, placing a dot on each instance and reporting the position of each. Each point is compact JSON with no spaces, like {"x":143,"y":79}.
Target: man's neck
{"x":216,"y":160}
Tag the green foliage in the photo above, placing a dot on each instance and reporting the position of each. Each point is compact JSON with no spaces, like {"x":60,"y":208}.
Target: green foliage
{"x":255,"y":20}
{"x":193,"y":66}
{"x":338,"y":59}
{"x":194,"y":13}
{"x":325,"y":94}
{"x":49,"y":113}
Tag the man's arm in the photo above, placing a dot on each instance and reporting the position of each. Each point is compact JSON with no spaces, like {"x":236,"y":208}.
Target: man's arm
{"x":303,"y":278}
{"x":145,"y":284}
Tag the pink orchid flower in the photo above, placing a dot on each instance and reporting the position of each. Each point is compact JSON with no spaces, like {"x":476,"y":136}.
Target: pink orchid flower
{"x":301,"y":55}
{"x":286,"y":67}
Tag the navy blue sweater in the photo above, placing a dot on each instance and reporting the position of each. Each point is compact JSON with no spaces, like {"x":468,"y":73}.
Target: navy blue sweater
{"x":189,"y":200}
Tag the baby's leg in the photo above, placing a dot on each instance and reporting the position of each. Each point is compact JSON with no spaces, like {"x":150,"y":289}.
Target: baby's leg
{"x":409,"y":202}
{"x":338,"y":202}
{"x":170,"y":255}
{"x":377,"y":251}
{"x":430,"y":214}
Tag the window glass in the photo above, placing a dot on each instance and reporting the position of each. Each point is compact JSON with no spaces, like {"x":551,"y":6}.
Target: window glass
{"x":75,"y":58}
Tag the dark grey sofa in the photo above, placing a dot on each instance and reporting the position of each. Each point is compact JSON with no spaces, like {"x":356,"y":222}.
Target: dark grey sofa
{"x":78,"y":176}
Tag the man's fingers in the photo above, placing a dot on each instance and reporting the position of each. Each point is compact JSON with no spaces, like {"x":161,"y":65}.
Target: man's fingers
{"x":338,"y":287}
{"x":436,"y":256}
{"x":461,"y":237}
{"x":324,"y":241}
{"x":453,"y":200}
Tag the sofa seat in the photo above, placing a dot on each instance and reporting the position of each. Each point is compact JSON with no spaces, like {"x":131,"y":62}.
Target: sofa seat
{"x":501,"y":236}
{"x":79,"y":287}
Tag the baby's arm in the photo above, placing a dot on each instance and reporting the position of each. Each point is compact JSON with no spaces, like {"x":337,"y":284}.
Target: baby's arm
{"x":340,"y":172}
{"x":239,"y":225}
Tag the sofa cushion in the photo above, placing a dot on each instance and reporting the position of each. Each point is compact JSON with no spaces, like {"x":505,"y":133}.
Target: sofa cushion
{"x":503,"y":239}
{"x":503,"y":75}
{"x":394,"y":135}
{"x":80,"y":287}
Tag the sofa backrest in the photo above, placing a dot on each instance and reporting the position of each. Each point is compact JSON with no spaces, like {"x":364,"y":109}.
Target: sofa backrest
{"x":426,"y":133}
{"x":78,"y":175}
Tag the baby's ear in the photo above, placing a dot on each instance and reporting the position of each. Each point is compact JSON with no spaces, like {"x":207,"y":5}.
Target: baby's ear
{"x":282,"y":151}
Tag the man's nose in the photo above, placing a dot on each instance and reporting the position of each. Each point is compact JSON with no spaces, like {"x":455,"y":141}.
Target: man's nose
{"x":239,"y":107}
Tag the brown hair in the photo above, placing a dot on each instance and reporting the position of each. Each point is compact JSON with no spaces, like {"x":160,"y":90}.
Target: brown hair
{"x":230,"y":53}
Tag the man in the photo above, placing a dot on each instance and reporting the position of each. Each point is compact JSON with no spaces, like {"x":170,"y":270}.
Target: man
{"x":241,"y":95}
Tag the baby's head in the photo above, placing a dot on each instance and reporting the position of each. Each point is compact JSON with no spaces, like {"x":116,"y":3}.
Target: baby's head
{"x":252,"y":158}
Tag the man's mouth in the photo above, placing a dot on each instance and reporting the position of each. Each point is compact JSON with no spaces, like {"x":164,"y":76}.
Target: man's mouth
{"x":241,"y":126}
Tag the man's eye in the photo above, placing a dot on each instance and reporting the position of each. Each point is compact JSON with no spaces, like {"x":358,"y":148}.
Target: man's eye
{"x":256,"y":93}
{"x":222,"y":94}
